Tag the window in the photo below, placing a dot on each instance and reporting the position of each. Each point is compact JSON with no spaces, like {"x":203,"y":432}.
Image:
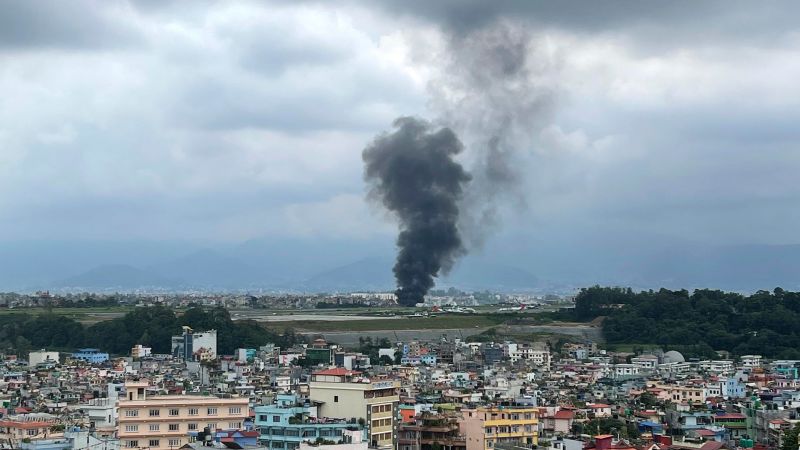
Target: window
{"x":212,"y":411}
{"x":276,"y":419}
{"x":212,"y":426}
{"x":154,"y":443}
{"x":155,"y":412}
{"x":132,"y":413}
{"x":335,"y":399}
{"x":131,"y":428}
{"x":174,"y":412}
{"x":174,"y":427}
{"x":234,"y":425}
{"x":263,"y":417}
{"x":236,"y":410}
{"x":132,"y":444}
{"x":192,"y":426}
{"x":174,"y":442}
{"x":155,"y":427}
{"x":193,"y":411}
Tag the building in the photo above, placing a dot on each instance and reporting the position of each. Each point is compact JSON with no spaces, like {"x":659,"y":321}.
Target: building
{"x":102,"y":415}
{"x":193,"y":346}
{"x":42,"y":357}
{"x":558,"y":423}
{"x":91,"y":355}
{"x":751,"y":361}
{"x":488,"y":428}
{"x":241,"y":438}
{"x":645,"y":362}
{"x":18,"y":430}
{"x":139,"y":351}
{"x":286,"y":424}
{"x":428,"y":429}
{"x":344,"y":393}
{"x":166,"y":421}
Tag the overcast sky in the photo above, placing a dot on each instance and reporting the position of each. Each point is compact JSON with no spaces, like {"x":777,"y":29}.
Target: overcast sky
{"x":227,"y":121}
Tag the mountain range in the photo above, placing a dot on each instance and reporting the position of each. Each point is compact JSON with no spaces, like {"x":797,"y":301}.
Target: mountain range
{"x":511,"y":264}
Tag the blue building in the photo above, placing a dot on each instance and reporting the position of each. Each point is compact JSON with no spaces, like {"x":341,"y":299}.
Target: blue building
{"x":732,"y":387}
{"x":288,"y":422}
{"x":91,"y":355}
{"x":647,"y":426}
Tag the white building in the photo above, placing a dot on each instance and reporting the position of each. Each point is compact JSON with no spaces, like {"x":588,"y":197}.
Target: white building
{"x":139,"y":351}
{"x":42,"y":357}
{"x":722,"y":366}
{"x":193,"y":346}
{"x":751,"y":361}
{"x":645,"y":362}
{"x":626,"y":370}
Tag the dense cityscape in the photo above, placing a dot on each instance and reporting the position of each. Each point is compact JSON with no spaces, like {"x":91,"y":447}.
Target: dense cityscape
{"x":190,"y":385}
{"x":399,"y":225}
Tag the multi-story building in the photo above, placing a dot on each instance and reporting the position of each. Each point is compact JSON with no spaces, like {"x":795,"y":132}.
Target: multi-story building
{"x":140,"y":351}
{"x":91,"y":355}
{"x":344,"y":393}
{"x":193,"y":346}
{"x":102,"y":415}
{"x":647,"y":363}
{"x":487,"y":428}
{"x":735,"y":424}
{"x":722,"y":366}
{"x":751,"y":361}
{"x":428,"y":429}
{"x":287,"y":423}
{"x":42,"y":357}
{"x":164,"y":422}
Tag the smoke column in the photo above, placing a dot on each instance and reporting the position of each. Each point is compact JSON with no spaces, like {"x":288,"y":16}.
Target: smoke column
{"x":494,"y":85}
{"x":413,"y":173}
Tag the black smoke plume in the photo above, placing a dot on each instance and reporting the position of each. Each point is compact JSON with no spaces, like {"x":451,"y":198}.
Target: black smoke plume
{"x":413,"y":173}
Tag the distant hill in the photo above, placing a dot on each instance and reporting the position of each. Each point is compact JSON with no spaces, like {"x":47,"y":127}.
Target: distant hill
{"x":373,"y":274}
{"x":115,"y":276}
{"x":476,"y":274}
{"x":208,"y":268}
{"x":511,"y":263}
{"x":376,"y":274}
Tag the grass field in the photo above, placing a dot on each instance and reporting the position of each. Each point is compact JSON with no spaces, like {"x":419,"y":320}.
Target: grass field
{"x":415,"y":323}
{"x":83,"y":315}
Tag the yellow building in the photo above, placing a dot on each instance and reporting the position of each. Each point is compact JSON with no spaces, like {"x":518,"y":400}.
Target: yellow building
{"x":485,"y":428}
{"x":164,"y":422}
{"x":345,"y":394}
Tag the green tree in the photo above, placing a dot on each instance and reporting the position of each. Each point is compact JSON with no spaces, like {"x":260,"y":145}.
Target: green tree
{"x":790,"y":438}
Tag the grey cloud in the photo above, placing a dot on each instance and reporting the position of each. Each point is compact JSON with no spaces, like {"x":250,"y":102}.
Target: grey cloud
{"x":715,"y":18}
{"x":83,"y":24}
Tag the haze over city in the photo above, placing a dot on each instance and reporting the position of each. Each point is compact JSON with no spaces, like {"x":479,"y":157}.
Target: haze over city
{"x":219,"y":144}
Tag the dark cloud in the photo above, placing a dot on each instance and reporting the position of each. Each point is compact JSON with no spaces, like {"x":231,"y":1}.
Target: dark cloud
{"x":710,"y":18}
{"x":83,"y":24}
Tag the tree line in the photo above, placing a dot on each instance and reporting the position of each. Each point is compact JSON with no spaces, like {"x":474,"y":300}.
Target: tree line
{"x":698,"y":323}
{"x":151,"y":326}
